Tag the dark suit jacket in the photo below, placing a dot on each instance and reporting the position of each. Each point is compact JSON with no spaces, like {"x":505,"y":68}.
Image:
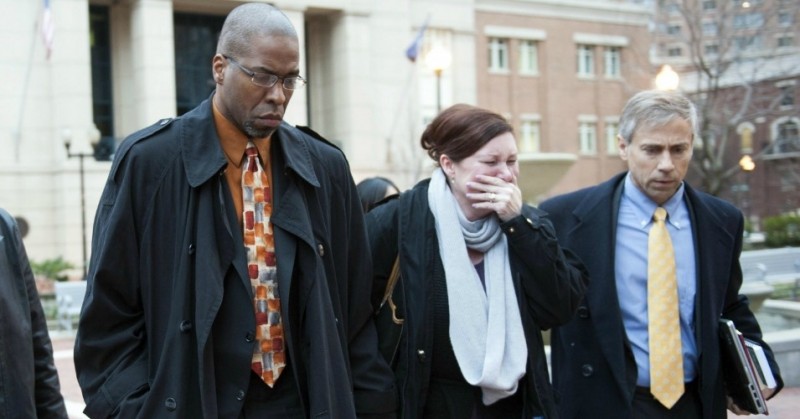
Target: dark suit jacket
{"x":594,"y":374}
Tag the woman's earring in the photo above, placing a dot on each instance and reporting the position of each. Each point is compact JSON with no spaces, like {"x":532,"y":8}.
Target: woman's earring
{"x":453,"y":179}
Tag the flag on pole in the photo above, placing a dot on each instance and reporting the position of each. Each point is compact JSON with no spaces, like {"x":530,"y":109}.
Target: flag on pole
{"x":413,"y":50}
{"x":48,"y":28}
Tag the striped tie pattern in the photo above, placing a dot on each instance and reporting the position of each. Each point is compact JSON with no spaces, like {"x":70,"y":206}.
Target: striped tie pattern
{"x":666,"y":358}
{"x":269,"y":358}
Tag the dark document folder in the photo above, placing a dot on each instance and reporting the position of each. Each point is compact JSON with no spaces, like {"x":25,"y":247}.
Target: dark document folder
{"x":740,"y":375}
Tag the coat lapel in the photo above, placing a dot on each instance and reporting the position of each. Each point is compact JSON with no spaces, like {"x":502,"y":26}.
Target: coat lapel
{"x":291,"y":218}
{"x":597,"y":215}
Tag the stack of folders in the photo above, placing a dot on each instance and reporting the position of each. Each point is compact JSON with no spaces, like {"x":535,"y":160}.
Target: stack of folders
{"x":745,"y":368}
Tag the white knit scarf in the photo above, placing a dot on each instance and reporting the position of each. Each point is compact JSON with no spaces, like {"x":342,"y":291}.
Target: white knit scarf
{"x":485,"y":327}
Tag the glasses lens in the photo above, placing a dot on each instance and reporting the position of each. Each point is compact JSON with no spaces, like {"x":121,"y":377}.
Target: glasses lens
{"x":265,"y":79}
{"x":293,"y":83}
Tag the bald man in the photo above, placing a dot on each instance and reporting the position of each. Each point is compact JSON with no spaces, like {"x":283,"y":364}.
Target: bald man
{"x":228,"y":274}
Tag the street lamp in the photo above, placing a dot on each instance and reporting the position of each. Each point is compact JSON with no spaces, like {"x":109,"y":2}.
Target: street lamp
{"x":747,"y":165}
{"x":667,"y":78}
{"x":94,"y":138}
{"x":438,"y":59}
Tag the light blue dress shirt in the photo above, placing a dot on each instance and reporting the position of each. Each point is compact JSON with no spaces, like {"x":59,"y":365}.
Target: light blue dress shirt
{"x":630,"y":261}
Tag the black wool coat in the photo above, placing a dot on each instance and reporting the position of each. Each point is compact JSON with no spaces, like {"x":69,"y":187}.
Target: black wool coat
{"x":549,"y":282}
{"x":167,"y":328}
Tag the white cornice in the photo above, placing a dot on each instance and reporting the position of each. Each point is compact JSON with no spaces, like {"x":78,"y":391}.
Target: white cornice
{"x":599,"y":39}
{"x":514,"y":32}
{"x":583,"y":10}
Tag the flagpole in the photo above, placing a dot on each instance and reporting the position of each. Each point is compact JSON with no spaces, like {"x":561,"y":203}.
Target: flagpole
{"x":403,"y":99}
{"x":18,"y":130}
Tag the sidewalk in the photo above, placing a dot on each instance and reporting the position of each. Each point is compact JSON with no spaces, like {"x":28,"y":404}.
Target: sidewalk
{"x":785,"y":405}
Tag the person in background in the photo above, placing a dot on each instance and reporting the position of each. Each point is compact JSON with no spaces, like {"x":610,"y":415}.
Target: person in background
{"x":373,"y":190}
{"x":645,"y":342}
{"x":228,"y":275}
{"x":481,"y":275}
{"x":29,"y":385}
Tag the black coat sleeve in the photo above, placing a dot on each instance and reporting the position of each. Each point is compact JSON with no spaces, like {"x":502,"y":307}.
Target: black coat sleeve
{"x":110,"y":346}
{"x":553,"y":279}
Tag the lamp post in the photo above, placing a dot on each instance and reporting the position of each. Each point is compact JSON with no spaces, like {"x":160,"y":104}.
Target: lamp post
{"x":94,"y":138}
{"x":667,"y":78}
{"x":437,"y":60}
{"x":747,"y":165}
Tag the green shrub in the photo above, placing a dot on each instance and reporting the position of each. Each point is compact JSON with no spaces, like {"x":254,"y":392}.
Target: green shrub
{"x":52,"y":268}
{"x":782,"y":230}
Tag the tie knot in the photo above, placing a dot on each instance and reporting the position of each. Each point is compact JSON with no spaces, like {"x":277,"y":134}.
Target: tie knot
{"x":660,"y":214}
{"x":251,"y":149}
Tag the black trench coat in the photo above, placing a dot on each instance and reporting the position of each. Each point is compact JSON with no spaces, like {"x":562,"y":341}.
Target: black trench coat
{"x":167,"y":325}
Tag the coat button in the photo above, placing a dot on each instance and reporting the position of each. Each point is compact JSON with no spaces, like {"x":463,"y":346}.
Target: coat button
{"x":421,"y":355}
{"x":185,"y":326}
{"x":249,"y":336}
{"x":321,"y":249}
{"x":587,"y":370}
{"x":191,"y":248}
{"x":583,"y":312}
{"x":240,"y":395}
{"x":170,"y":404}
{"x":511,"y":230}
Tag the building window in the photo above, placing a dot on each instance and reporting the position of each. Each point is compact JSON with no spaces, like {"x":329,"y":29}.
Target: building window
{"x":528,"y":57}
{"x":709,"y":5}
{"x":711,"y":49}
{"x":587,"y":133}
{"x":586,"y":60}
{"x":674,"y":30}
{"x":786,"y":135}
{"x":612,"y":129}
{"x":613,"y":62}
{"x":785,"y":18}
{"x":745,"y":43}
{"x":748,"y":20}
{"x":710,"y":28}
{"x":787,"y":96}
{"x":674,"y":52}
{"x":102,"y":90}
{"x":195,"y":42}
{"x":672,"y":8}
{"x":498,"y":54}
{"x":745,"y":131}
{"x":530,"y":136}
{"x":785,"y":41}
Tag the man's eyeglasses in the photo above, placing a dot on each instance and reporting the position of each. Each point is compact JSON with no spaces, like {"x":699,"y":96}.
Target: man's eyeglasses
{"x":268,"y":79}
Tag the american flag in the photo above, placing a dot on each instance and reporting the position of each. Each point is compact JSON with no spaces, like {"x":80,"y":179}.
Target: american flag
{"x":48,"y":27}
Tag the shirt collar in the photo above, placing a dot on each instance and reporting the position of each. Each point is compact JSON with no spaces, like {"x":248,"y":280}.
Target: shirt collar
{"x":233,"y":141}
{"x":644,"y":207}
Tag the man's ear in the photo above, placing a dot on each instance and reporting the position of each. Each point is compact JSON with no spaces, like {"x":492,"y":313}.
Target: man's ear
{"x":622,"y":146}
{"x":218,"y":68}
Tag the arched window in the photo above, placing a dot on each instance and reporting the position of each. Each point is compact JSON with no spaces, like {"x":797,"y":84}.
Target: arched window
{"x":745,"y":131}
{"x":786,"y":135}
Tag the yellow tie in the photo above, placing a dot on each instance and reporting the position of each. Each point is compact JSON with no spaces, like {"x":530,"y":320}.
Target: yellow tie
{"x":666,"y":357}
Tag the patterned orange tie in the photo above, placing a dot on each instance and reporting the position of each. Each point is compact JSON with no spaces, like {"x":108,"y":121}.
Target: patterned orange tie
{"x":666,"y":357}
{"x":269,"y":358}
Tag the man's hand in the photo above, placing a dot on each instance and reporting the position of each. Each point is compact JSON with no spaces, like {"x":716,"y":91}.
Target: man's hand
{"x":736,"y":409}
